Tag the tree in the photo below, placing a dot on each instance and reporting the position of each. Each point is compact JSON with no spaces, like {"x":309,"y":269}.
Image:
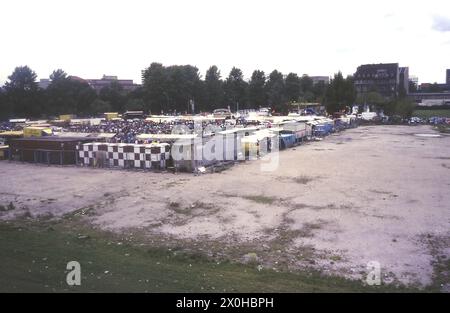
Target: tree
{"x":256,"y":93}
{"x":235,"y":89}
{"x":58,"y":75}
{"x":100,"y":106}
{"x":340,"y":93}
{"x":115,"y":95}
{"x":292,"y":87}
{"x":67,"y":95}
{"x":135,"y":105}
{"x":306,"y":83}
{"x":371,"y":98}
{"x":136,"y":95}
{"x":319,"y":90}
{"x":275,"y":91}
{"x":82,"y":95}
{"x":306,"y":90}
{"x":214,"y":93}
{"x":154,"y":87}
{"x":412,"y":86}
{"x":5,"y":110}
{"x":22,"y":92}
{"x":183,"y":85}
{"x":404,"y":107}
{"x":58,"y":98}
{"x":172,"y":88}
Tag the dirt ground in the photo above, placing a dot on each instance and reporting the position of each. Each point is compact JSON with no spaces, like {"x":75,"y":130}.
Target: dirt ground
{"x":373,"y":193}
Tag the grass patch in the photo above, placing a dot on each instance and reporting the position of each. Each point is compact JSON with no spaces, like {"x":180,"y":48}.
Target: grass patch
{"x":185,"y":213}
{"x":88,"y":211}
{"x":9,"y":207}
{"x":261,"y":199}
{"x":430,"y":113}
{"x":303,"y":179}
{"x":445,"y":129}
{"x":35,"y":254}
{"x":441,"y":261}
{"x":336,"y":258}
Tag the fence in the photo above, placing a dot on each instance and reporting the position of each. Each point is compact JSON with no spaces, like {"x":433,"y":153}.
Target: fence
{"x":145,"y":156}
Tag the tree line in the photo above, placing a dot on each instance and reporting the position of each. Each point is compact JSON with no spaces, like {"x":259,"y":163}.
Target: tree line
{"x":170,"y":89}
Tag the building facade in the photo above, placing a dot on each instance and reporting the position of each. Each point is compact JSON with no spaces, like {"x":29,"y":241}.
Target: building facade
{"x":96,"y":84}
{"x":105,"y":81}
{"x":388,"y":79}
{"x":320,"y":79}
{"x":44,"y":83}
{"x":427,"y":99}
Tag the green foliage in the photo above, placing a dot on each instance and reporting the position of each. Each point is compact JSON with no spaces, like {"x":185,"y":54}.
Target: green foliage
{"x":340,"y":93}
{"x":66,"y":95}
{"x":275,"y":91}
{"x":306,"y":84}
{"x":171,"y":88}
{"x":404,"y":107}
{"x":401,"y":106}
{"x":167,"y":89}
{"x":293,"y":87}
{"x":115,"y":95}
{"x":5,"y":107}
{"x":100,"y":106}
{"x":256,"y":92}
{"x":135,"y":105}
{"x":423,"y":113}
{"x":235,"y":89}
{"x":319,"y":91}
{"x":214,"y":93}
{"x":22,"y":93}
{"x":371,"y":98}
{"x":35,"y":255}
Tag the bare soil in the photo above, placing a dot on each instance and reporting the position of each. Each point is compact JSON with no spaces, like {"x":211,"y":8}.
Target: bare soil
{"x":374,"y":193}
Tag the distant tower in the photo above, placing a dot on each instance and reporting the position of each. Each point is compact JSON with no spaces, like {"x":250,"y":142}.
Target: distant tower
{"x":447,"y":81}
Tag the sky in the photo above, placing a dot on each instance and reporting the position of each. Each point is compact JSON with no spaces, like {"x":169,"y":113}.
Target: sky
{"x":94,"y":37}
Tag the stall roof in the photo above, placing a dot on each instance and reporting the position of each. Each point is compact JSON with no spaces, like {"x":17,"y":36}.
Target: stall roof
{"x":52,"y":138}
{"x":18,"y":120}
{"x":12,"y":133}
{"x":166,"y":136}
{"x":37,"y":122}
{"x":85,"y":135}
{"x":239,"y":129}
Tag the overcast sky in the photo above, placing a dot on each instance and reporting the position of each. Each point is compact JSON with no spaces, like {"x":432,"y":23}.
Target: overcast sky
{"x":94,"y":37}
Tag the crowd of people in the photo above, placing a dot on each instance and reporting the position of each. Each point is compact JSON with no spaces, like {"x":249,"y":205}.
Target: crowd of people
{"x":126,"y":131}
{"x":7,"y":126}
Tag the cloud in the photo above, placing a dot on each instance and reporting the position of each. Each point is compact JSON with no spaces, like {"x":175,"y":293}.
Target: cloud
{"x":441,"y":23}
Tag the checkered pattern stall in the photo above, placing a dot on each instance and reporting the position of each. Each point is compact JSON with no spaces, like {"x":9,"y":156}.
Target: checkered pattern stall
{"x":148,"y":156}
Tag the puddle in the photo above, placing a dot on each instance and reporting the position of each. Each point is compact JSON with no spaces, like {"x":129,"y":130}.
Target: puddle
{"x":428,"y":135}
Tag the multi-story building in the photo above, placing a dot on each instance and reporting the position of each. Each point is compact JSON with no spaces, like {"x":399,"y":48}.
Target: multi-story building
{"x":44,"y":83}
{"x":430,"y":98}
{"x":433,"y":94}
{"x":98,"y":84}
{"x":437,"y":87}
{"x":320,"y":79}
{"x":387,"y":79}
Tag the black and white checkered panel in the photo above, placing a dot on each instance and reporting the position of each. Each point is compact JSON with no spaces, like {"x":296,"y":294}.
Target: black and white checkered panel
{"x":86,"y":154}
{"x":149,"y":156}
{"x":156,"y":155}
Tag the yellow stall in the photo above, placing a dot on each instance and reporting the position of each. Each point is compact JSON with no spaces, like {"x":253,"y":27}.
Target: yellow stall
{"x":34,"y":131}
{"x":111,"y":115}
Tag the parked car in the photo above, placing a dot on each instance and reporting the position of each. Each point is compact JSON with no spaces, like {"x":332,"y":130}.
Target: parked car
{"x":415,"y":120}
